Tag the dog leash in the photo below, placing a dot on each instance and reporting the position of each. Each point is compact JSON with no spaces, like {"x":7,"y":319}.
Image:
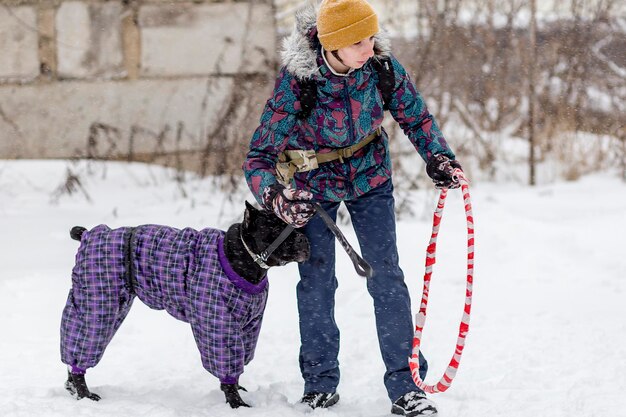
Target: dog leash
{"x":265,"y":254}
{"x":360,"y":265}
{"x":420,"y":318}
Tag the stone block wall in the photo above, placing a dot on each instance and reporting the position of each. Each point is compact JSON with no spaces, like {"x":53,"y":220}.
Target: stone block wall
{"x":118,"y":79}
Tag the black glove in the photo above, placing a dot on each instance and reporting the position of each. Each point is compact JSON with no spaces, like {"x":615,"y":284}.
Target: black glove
{"x":441,"y":169}
{"x":291,"y":206}
{"x":231,"y":392}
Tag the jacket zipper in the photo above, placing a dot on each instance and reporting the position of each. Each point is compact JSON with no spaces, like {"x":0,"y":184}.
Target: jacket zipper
{"x":352,"y":135}
{"x":349,"y":109}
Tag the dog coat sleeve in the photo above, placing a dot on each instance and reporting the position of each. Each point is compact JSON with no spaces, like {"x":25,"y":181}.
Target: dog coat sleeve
{"x":250,"y":337}
{"x":220,"y":340}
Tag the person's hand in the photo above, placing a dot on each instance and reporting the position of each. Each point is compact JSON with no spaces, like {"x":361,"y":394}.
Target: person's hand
{"x":441,"y":169}
{"x":291,"y":206}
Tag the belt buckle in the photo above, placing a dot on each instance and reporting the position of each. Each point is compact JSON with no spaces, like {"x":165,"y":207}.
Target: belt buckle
{"x":346,"y":152}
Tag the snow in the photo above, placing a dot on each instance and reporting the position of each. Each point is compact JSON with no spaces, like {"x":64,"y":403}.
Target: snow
{"x":547,"y":334}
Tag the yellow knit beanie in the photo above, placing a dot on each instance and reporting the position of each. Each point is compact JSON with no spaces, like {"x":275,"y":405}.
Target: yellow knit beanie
{"x":341,"y":23}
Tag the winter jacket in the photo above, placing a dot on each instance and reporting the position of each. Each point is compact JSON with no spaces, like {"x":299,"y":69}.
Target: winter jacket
{"x":348,"y":109}
{"x":186,"y":273}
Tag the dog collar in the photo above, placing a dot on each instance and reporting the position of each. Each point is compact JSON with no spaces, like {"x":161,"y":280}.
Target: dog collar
{"x":259,"y":259}
{"x":239,"y":281}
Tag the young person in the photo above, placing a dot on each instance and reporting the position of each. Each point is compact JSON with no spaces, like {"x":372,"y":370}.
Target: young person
{"x":320,"y":140}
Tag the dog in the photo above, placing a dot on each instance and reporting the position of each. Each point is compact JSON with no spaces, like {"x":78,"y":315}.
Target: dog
{"x":214,"y":280}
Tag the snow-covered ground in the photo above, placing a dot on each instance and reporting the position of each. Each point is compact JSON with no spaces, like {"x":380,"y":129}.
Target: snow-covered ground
{"x":547,"y":337}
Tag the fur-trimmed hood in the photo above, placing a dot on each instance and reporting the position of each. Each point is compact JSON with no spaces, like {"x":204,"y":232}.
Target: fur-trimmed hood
{"x":299,"y":50}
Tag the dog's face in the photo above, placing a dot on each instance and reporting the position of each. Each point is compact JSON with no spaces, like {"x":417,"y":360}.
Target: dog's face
{"x":262,"y":227}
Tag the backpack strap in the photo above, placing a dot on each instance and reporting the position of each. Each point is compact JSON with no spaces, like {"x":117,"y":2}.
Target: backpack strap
{"x":386,"y":84}
{"x":308,"y":97}
{"x":386,"y":79}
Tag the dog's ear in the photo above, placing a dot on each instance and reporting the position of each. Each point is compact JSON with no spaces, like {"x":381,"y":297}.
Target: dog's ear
{"x":248,"y":214}
{"x":250,"y":207}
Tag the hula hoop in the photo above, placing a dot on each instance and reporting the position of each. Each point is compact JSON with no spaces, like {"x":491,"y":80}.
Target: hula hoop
{"x":420,"y":318}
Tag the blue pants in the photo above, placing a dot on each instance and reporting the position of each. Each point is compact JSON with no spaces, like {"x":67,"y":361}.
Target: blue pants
{"x":374,"y":222}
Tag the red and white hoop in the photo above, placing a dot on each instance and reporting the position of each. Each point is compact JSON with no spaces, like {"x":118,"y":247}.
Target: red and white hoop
{"x":420,"y":318}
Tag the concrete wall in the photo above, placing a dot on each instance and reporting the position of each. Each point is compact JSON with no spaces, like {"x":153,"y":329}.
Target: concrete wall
{"x":102,"y":78}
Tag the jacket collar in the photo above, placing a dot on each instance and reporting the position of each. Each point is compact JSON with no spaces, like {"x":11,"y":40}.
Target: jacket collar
{"x":330,"y":66}
{"x":300,"y":50}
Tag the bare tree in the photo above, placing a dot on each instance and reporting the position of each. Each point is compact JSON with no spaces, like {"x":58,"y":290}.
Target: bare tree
{"x":532,"y":98}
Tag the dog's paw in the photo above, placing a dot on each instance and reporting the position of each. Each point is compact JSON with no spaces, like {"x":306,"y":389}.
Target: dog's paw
{"x":77,"y":388}
{"x":237,"y":403}
{"x":232,"y":395}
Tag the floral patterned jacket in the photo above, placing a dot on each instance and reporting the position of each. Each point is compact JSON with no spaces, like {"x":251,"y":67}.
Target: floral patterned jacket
{"x":348,"y":109}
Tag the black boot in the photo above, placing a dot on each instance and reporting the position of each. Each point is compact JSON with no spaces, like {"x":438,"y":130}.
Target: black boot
{"x":414,"y":404}
{"x":77,"y":387}
{"x":320,"y":399}
{"x":231,"y":392}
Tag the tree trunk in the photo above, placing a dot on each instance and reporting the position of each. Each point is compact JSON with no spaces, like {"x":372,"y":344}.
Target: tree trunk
{"x":532,"y":59}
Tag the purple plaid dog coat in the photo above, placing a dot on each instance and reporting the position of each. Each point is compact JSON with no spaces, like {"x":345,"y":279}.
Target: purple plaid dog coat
{"x":184,"y":272}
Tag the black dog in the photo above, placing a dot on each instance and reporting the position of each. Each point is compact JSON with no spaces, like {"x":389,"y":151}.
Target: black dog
{"x":214,"y":280}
